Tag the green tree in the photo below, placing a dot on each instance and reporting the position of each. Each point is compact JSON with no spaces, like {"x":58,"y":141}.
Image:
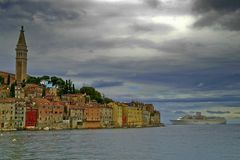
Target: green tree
{"x":47,"y":78}
{"x":73,"y":89}
{"x":1,"y":80}
{"x":12,"y":90}
{"x":94,"y":95}
{"x":8,"y":80}
{"x":33,"y":80}
{"x":107,"y":100}
{"x":44,"y":92}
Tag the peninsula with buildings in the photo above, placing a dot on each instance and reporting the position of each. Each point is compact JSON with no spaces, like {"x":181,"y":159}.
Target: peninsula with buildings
{"x":48,"y":103}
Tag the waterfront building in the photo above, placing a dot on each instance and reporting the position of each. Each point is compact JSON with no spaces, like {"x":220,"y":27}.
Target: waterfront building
{"x":92,"y":114}
{"x":7,"y":114}
{"x":44,"y":112}
{"x":57,"y":114}
{"x":146,"y":117}
{"x":117,"y":113}
{"x":20,"y":112}
{"x":31,"y":117}
{"x":21,"y":58}
{"x":76,"y":116}
{"x":106,"y":116}
{"x":155,"y":118}
{"x":50,"y":114}
{"x":132,"y":116}
{"x":149,"y":107}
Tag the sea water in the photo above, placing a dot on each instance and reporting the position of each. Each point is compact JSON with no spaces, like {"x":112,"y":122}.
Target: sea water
{"x":203,"y":142}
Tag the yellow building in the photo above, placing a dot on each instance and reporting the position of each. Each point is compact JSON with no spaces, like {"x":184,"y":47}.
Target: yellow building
{"x":132,"y":116}
{"x":117,"y":113}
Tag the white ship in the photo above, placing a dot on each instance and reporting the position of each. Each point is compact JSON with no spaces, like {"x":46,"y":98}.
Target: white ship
{"x":198,"y":119}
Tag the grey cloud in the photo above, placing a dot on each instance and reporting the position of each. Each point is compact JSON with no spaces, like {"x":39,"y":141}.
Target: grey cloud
{"x":152,"y":3}
{"x":34,"y":11}
{"x":216,"y":5}
{"x":218,"y":13}
{"x":151,"y":27}
{"x":104,"y":84}
{"x":218,"y":112}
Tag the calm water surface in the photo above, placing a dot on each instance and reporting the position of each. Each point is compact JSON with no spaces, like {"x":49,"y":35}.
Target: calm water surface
{"x":217,"y":142}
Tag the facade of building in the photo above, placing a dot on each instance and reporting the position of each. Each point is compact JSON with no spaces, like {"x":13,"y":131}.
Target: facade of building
{"x":21,"y":58}
{"x":76,"y":116}
{"x":78,"y":99}
{"x":52,"y":91}
{"x":33,"y":91}
{"x":4,"y":91}
{"x":117,"y":113}
{"x":155,"y":118}
{"x":31,"y":117}
{"x":57,"y":114}
{"x":20,"y":116}
{"x":19,"y":92}
{"x":7,"y":77}
{"x":7,"y":114}
{"x":92,"y":115}
{"x":44,"y":112}
{"x":106,"y":116}
{"x":132,"y":116}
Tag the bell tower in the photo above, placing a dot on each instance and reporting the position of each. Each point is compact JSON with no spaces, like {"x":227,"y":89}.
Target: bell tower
{"x":21,"y":58}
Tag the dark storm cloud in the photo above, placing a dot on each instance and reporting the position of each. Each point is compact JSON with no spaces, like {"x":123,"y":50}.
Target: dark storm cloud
{"x":104,"y":84}
{"x":28,"y":10}
{"x":125,"y":45}
{"x":225,"y":14}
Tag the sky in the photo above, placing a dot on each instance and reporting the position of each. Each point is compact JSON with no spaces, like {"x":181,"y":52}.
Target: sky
{"x":146,"y":50}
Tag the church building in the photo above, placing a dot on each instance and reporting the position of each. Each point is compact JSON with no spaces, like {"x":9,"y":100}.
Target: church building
{"x":21,"y":58}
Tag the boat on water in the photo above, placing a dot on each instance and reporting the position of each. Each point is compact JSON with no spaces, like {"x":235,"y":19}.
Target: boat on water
{"x":198,"y":119}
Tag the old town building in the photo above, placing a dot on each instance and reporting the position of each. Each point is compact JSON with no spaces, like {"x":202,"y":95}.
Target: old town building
{"x":76,"y":116}
{"x":132,"y":116}
{"x":92,"y":114}
{"x":155,"y":118}
{"x":7,"y":114}
{"x":4,"y":91}
{"x":33,"y":91}
{"x":78,"y":99}
{"x":31,"y":117}
{"x":20,"y":110}
{"x":117,"y":113}
{"x":106,"y":116}
{"x":7,"y":77}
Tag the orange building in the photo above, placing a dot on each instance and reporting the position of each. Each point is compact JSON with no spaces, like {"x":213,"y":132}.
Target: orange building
{"x":33,"y":91}
{"x":92,"y":114}
{"x":74,"y":98}
{"x":76,"y":116}
{"x":50,"y":114}
{"x":5,"y":76}
{"x":4,"y":91}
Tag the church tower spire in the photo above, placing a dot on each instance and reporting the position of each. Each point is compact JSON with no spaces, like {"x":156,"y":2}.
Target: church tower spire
{"x":21,"y":58}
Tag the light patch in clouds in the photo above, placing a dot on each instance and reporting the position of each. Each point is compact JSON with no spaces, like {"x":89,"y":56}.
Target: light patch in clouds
{"x":181,"y":23}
